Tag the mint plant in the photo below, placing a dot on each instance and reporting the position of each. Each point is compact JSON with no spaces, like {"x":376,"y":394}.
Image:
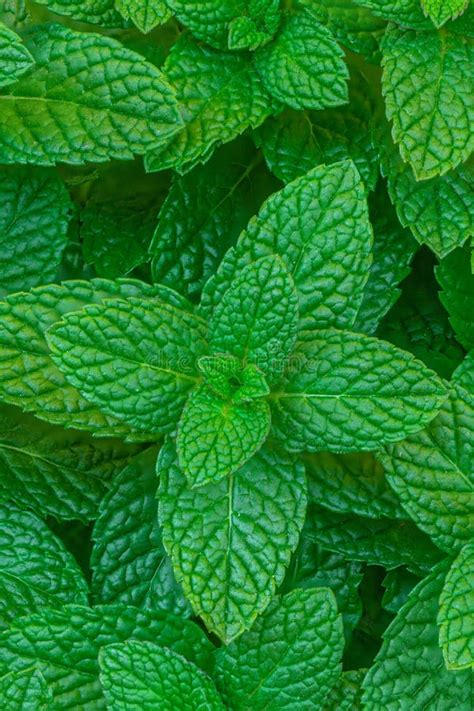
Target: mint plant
{"x":236,"y":355}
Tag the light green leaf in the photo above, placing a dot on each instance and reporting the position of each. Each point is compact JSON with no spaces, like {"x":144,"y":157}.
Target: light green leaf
{"x":345,"y":392}
{"x":456,"y":612}
{"x":376,"y":542}
{"x":145,"y":14}
{"x":220,"y":96}
{"x":216,"y":536}
{"x":394,"y":248}
{"x":355,"y":27}
{"x":290,"y":659}
{"x":319,"y":226}
{"x":15,"y":59}
{"x":440,"y":11}
{"x":97,"y":12}
{"x":133,"y":358}
{"x":351,"y":483}
{"x":226,"y":23}
{"x":204,"y":213}
{"x":35,"y":568}
{"x":464,"y":373}
{"x":432,"y":473}
{"x":25,"y":691}
{"x":409,"y":670}
{"x":428,"y":88}
{"x":347,"y":694}
{"x":407,"y":13}
{"x":53,"y":471}
{"x":73,"y":108}
{"x":456,"y":279}
{"x":34,"y":216}
{"x":28,"y":376}
{"x":256,"y":319}
{"x":304,"y":66}
{"x":228,"y":379}
{"x":294,"y":142}
{"x":139,"y":676}
{"x":216,"y":437}
{"x":128,"y":560}
{"x":64,"y":645}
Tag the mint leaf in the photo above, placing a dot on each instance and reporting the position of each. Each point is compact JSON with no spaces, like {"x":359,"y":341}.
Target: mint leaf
{"x":99,"y":12}
{"x":154,"y":347}
{"x":295,"y":141}
{"x":407,"y":13}
{"x":139,"y":676}
{"x":145,"y":14}
{"x":56,"y":472}
{"x":431,"y":472}
{"x":456,"y":607}
{"x":25,"y":690}
{"x":216,"y":437}
{"x":128,"y":560}
{"x":33,"y":227}
{"x":419,"y":73}
{"x":376,"y":542}
{"x":257,"y":318}
{"x":290,"y":657}
{"x":28,"y":376}
{"x":347,"y":694}
{"x":36,"y":570}
{"x":65,"y":644}
{"x":15,"y":59}
{"x":84,"y":116}
{"x":345,"y":392}
{"x":215,"y":535}
{"x":304,"y":67}
{"x":220,"y":96}
{"x":204,"y":213}
{"x":398,"y":583}
{"x":440,"y":11}
{"x":228,"y":378}
{"x":464,"y":373}
{"x":456,"y":279}
{"x":409,"y":669}
{"x":319,"y":226}
{"x":351,"y":483}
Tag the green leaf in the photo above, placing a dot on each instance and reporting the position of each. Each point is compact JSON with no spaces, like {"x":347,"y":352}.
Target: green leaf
{"x":228,"y":379}
{"x":145,"y":14}
{"x":409,"y":670}
{"x":394,"y":248}
{"x":376,"y":542}
{"x":456,"y":610}
{"x":456,"y":279}
{"x":351,"y":483}
{"x":319,"y":226}
{"x":440,"y":11}
{"x":231,"y":542}
{"x":464,"y":373}
{"x":347,"y":694}
{"x":128,"y":560}
{"x":35,"y":569}
{"x":34,"y":219}
{"x":431,"y":472}
{"x":216,"y":437}
{"x":204,"y":213}
{"x":398,"y":584}
{"x":427,"y":84}
{"x":65,"y":644}
{"x":56,"y":472}
{"x":304,"y":66}
{"x":87,"y":99}
{"x":295,"y":141}
{"x":256,"y":319}
{"x":15,"y":59}
{"x":290,"y":659}
{"x":139,"y":676}
{"x":345,"y":392}
{"x":133,"y":358}
{"x":25,"y":691}
{"x":407,"y":13}
{"x":28,"y":376}
{"x":220,"y":96}
{"x":226,"y":23}
{"x":97,"y":12}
